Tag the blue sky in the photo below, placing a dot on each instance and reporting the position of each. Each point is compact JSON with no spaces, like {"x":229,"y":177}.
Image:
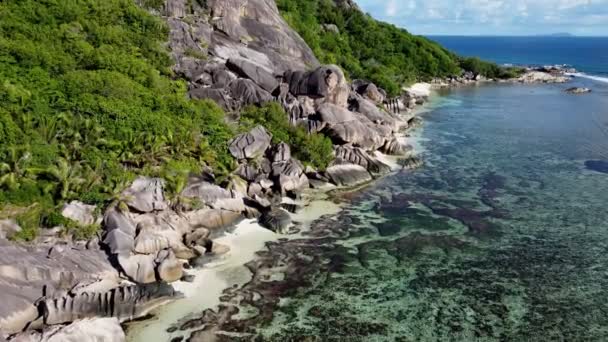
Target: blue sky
{"x":493,"y":17}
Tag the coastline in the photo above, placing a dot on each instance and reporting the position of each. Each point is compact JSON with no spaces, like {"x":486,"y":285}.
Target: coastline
{"x":246,"y":240}
{"x":230,"y":272}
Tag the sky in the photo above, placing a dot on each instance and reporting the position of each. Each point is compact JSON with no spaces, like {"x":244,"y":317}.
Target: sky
{"x":493,"y":17}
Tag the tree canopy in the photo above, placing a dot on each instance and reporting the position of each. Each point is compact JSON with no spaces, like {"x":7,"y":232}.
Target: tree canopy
{"x":369,"y":49}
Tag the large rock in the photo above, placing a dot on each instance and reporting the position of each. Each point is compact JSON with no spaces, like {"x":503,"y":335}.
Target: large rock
{"x":169,"y":268}
{"x":348,"y":174}
{"x":250,"y":145}
{"x":79,"y":212}
{"x":326,"y":82}
{"x":270,"y":41}
{"x":140,"y":268}
{"x":215,"y":196}
{"x":276,"y":220}
{"x":213,"y":219}
{"x":146,"y":195}
{"x":258,"y":74}
{"x":369,"y":91}
{"x":542,"y":77}
{"x":87,"y":330}
{"x":376,"y":115}
{"x":289,"y":175}
{"x":8,"y":228}
{"x":578,"y":90}
{"x":353,"y":155}
{"x":346,"y":127}
{"x":281,"y":153}
{"x":124,"y":303}
{"x":245,"y":92}
{"x":394,"y":147}
{"x":29,"y":272}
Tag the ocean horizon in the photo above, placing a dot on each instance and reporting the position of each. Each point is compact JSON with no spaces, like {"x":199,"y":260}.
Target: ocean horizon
{"x":586,"y":54}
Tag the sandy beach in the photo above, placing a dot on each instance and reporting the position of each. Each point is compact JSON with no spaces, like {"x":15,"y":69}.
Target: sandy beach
{"x":228,"y":270}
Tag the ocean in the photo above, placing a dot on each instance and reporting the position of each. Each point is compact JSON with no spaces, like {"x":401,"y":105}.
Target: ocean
{"x":589,"y":55}
{"x":502,"y":235}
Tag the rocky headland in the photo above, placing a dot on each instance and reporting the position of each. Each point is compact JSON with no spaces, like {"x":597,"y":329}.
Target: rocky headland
{"x":237,"y":53}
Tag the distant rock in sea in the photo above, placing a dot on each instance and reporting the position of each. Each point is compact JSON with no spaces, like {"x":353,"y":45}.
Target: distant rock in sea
{"x":597,"y":165}
{"x":578,"y":90}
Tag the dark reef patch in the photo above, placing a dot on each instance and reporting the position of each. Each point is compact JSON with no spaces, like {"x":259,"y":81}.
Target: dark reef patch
{"x":597,"y":165}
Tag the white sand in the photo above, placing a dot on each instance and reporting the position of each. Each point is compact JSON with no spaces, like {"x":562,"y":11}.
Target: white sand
{"x":229,"y":270}
{"x":248,"y":238}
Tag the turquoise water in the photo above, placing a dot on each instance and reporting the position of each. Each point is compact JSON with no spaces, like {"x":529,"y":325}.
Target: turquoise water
{"x":501,"y":236}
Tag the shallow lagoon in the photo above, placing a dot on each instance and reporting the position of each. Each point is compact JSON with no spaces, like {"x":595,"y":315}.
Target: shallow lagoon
{"x":502,"y":235}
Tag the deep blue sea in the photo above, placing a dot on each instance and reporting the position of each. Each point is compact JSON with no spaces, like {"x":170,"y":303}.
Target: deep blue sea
{"x":587,"y":54}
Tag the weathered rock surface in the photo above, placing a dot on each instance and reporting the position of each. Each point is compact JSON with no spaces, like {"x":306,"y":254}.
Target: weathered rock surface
{"x":8,"y":228}
{"x":215,"y":196}
{"x":543,"y":77}
{"x":345,"y":127}
{"x":348,"y":174}
{"x":213,"y":219}
{"x":354,"y":155}
{"x":578,"y":90}
{"x":258,"y":74}
{"x":87,"y":330}
{"x":395,"y":148}
{"x":29,"y":272}
{"x":326,"y":82}
{"x":250,"y":145}
{"x":369,"y":90}
{"x":146,"y":195}
{"x":79,"y":212}
{"x":276,"y":219}
{"x":376,"y":115}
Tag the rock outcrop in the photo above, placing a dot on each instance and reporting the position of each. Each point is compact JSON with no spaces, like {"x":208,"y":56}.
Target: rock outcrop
{"x":79,"y":212}
{"x":29,"y":273}
{"x":250,"y":145}
{"x":87,"y":330}
{"x":348,"y":174}
{"x":578,"y":90}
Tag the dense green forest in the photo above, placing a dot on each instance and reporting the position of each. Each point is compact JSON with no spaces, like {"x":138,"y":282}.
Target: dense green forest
{"x":88,"y":102}
{"x":369,"y":49}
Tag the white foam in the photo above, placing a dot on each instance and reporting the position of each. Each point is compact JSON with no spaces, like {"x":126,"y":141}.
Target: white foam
{"x":591,"y":77}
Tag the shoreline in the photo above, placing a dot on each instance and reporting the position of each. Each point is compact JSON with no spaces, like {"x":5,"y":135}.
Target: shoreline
{"x":246,"y":240}
{"x":218,"y":276}
{"x":230,"y":271}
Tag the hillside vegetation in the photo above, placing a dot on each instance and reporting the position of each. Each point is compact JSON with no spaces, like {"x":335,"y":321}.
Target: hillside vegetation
{"x":373,"y":50}
{"x":86,"y":103}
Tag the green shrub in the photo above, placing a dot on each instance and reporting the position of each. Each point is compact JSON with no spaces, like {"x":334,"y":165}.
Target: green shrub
{"x":312,"y":149}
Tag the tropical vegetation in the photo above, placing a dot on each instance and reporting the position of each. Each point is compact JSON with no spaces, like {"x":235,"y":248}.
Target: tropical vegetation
{"x":87,"y":102}
{"x":369,"y":49}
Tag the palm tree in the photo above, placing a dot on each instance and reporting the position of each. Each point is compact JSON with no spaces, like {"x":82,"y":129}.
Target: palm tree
{"x":14,"y":168}
{"x":116,"y":197}
{"x":176,"y":181}
{"x":69,"y":178}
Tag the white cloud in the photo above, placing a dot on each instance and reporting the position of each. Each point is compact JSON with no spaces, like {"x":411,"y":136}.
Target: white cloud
{"x":493,"y":16}
{"x":391,"y":8}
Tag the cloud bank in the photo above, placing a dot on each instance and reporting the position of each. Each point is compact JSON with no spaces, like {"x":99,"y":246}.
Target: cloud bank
{"x":485,"y":17}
